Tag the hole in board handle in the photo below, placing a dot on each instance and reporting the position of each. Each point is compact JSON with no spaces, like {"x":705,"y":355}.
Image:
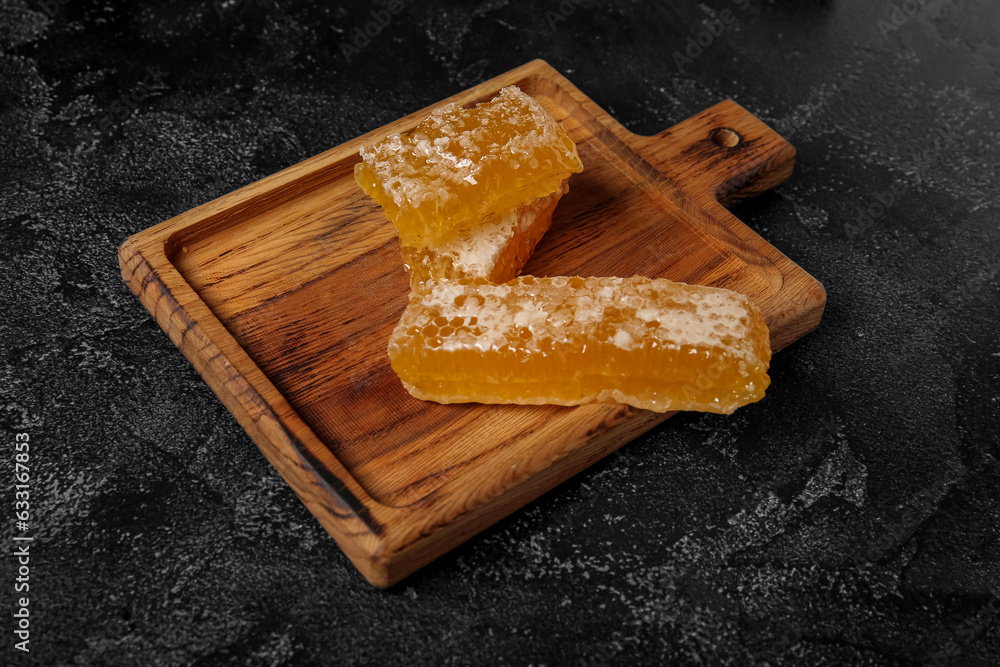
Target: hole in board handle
{"x":723,"y":137}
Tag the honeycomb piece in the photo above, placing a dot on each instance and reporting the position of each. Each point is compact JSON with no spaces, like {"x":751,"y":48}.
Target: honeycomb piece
{"x":650,"y":343}
{"x":496,"y":249}
{"x":460,"y":166}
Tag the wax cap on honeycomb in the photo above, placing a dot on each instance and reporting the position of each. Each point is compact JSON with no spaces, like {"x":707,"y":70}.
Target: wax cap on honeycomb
{"x":650,"y":343}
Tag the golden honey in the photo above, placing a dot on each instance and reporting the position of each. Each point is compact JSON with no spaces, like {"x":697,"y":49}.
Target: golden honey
{"x":501,"y":165}
{"x":496,"y":249}
{"x":649,"y":343}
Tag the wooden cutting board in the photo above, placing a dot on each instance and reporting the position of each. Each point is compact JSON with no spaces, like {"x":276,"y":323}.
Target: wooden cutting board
{"x":283,"y":294}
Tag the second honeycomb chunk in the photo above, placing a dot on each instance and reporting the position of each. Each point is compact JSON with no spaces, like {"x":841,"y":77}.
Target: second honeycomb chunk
{"x":650,"y":343}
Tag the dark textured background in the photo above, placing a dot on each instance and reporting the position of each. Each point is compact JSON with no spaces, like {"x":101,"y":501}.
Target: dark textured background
{"x":851,"y":517}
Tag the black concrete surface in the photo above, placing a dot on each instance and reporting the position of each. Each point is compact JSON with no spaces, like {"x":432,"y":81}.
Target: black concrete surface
{"x":851,"y":517}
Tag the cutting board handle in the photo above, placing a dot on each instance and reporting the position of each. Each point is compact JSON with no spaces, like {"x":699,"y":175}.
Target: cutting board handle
{"x":722,"y":154}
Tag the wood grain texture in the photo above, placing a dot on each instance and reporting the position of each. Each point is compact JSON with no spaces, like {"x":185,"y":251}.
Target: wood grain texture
{"x":283,"y":294}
